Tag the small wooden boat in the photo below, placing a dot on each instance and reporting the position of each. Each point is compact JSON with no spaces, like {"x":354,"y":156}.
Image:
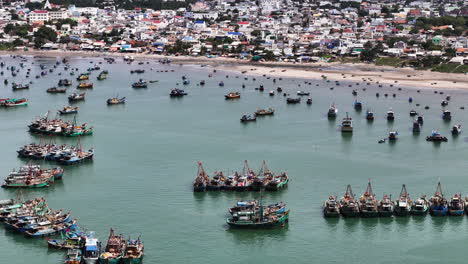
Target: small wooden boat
{"x":436,"y":137}
{"x":17,"y":87}
{"x":420,"y":119}
{"x":413,"y":113}
{"x":65,"y":82}
{"x":347,"y":124}
{"x":278,"y":182}
{"x":349,"y":207}
{"x":293,"y":100}
{"x":54,"y":90}
{"x":248,"y":118}
{"x":437,"y":203}
{"x":68,"y":110}
{"x":354,"y":92}
{"x":390,"y":115}
{"x":385,"y":206}
{"x":263,"y":112}
{"x":232,"y":95}
{"x":456,"y":206}
{"x":456,"y":129}
{"x":368,"y":205}
{"x":75,"y":242}
{"x":357,"y":105}
{"x":332,"y":112}
{"x":416,"y":127}
{"x":13,"y":102}
{"x":140,"y":84}
{"x":85,"y":85}
{"x":139,"y":71}
{"x":302,"y":93}
{"x":83,"y":77}
{"x":115,"y":100}
{"x":74,"y":97}
{"x":177,"y":93}
{"x":260,"y":217}
{"x":309,"y":101}
{"x":403,"y":204}
{"x":444,"y":103}
{"x":221,"y":84}
{"x":73,"y":256}
{"x":272,"y":93}
{"x":446,"y":115}
{"x":392,"y":136}
{"x":133,"y":253}
{"x":369,"y":115}
{"x":331,"y":208}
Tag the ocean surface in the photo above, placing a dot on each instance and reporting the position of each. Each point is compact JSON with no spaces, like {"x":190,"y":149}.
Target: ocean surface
{"x":146,"y":152}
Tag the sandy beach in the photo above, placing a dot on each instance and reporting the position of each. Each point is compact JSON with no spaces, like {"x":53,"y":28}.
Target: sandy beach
{"x":406,"y":77}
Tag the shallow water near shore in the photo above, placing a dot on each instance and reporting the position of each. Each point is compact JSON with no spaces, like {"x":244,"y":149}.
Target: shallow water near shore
{"x":147,"y":149}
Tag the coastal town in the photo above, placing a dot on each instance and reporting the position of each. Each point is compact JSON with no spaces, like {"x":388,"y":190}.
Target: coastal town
{"x":418,"y":34}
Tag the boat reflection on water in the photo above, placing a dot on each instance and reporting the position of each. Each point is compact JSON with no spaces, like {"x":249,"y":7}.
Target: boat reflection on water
{"x":258,"y":236}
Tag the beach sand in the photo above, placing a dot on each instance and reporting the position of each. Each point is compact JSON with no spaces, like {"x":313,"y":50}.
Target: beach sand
{"x":358,"y":72}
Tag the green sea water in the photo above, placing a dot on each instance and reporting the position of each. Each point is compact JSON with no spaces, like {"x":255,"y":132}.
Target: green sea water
{"x":146,"y":154}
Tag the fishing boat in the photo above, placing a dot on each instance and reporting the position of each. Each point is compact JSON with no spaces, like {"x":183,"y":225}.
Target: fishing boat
{"x":332,"y":112}
{"x":139,"y":71}
{"x":186,"y":82}
{"x":354,"y":92}
{"x":140,"y":84}
{"x":48,"y":229}
{"x":65,"y":82}
{"x":14,"y":102}
{"x":102,"y":76}
{"x":248,"y":118}
{"x":114,"y":249}
{"x":293,"y":100}
{"x":446,"y":115}
{"x":309,"y":101}
{"x":221,"y":84}
{"x":202,"y":82}
{"x":456,"y":206}
{"x":74,"y":97}
{"x":259,"y":218}
{"x":177,"y":93}
{"x":201,"y":180}
{"x":91,"y":249}
{"x":271,"y":93}
{"x":347,"y":124}
{"x":392,"y":136}
{"x":73,"y":256}
{"x":368,"y":205}
{"x":83,"y":77}
{"x":85,"y":85}
{"x":369,"y":115}
{"x":390,"y":115}
{"x":241,"y":206}
{"x":75,"y":242}
{"x":264,"y":112}
{"x":244,"y":181}
{"x":357,"y":105}
{"x":456,"y":129}
{"x":386,"y":206}
{"x":331,"y":208}
{"x":261,"y":180}
{"x":436,"y":137}
{"x":413,"y":113}
{"x":444,"y":103}
{"x":133,"y":253}
{"x":33,"y":180}
{"x":16,"y":86}
{"x":232,"y":95}
{"x":403,"y":204}
{"x":215,"y":183}
{"x":115,"y":100}
{"x":55,"y":90}
{"x":420,"y":206}
{"x":68,"y":110}
{"x":349,"y":207}
{"x":437,"y":203}
{"x":302,"y":93}
{"x":278,"y":182}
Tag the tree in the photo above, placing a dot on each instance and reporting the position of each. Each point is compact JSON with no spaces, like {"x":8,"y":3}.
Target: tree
{"x":33,"y":5}
{"x":43,"y":35}
{"x":269,"y":56}
{"x":18,"y":42}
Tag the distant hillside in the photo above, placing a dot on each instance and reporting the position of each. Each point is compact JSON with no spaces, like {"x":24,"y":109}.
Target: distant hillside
{"x":126,"y":4}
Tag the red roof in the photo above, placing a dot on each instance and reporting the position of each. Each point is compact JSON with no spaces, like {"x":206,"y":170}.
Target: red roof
{"x":40,"y":12}
{"x":242,"y":23}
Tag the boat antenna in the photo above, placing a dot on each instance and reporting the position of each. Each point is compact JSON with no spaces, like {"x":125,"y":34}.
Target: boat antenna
{"x":403,"y":191}
{"x":246,"y":169}
{"x":369,"y":188}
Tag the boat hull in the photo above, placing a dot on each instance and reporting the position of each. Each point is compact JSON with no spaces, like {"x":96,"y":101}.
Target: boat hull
{"x":369,"y":214}
{"x":349,"y":212}
{"x":438,"y":211}
{"x":455,"y":212}
{"x":110,"y":260}
{"x":132,"y":260}
{"x":399,"y":212}
{"x":385,"y":213}
{"x":328,"y":213}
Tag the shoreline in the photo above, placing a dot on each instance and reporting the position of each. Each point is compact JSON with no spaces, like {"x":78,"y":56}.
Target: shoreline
{"x":335,"y":71}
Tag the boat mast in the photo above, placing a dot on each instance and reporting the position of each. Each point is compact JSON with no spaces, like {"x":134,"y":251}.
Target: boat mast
{"x":263,"y":169}
{"x":349,"y":191}
{"x":201,"y":172}
{"x":439,"y":190}
{"x":403,"y":192}
{"x":246,"y":170}
{"x":369,"y":189}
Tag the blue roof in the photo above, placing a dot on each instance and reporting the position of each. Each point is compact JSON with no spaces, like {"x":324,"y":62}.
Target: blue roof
{"x":235,"y":33}
{"x":91,"y":248}
{"x":158,"y":44}
{"x":199,"y":22}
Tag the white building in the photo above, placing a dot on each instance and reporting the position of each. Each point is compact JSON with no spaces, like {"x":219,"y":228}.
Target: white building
{"x":38,"y":16}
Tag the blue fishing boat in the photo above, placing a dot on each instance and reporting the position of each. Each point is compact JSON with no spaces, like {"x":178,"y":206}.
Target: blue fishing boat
{"x":357,"y":105}
{"x":456,"y":206}
{"x":92,"y":249}
{"x":438,"y":204}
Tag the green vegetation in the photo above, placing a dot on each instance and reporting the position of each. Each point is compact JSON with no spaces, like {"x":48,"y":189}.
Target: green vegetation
{"x":43,"y":35}
{"x":451,"y":68}
{"x":16,"y":30}
{"x":391,"y":61}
